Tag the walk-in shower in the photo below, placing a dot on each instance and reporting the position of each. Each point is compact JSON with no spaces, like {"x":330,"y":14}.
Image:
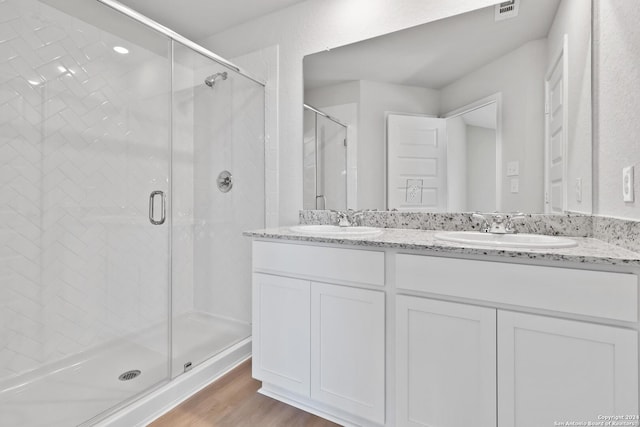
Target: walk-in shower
{"x":122,"y":265}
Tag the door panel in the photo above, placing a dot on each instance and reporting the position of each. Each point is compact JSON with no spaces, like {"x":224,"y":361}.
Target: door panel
{"x":416,"y":163}
{"x":552,"y":370}
{"x":446,"y":373}
{"x":281,"y":326}
{"x":556,"y":135}
{"x":347,"y":349}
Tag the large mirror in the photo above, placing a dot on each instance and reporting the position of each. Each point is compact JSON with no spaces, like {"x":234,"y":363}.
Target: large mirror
{"x":485,"y":111}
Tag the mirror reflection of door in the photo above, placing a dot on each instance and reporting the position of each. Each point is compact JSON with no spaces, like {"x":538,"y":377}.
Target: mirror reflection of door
{"x":446,"y":164}
{"x":416,"y":163}
{"x":555,"y":168}
{"x":473,"y":153}
{"x":325,"y":161}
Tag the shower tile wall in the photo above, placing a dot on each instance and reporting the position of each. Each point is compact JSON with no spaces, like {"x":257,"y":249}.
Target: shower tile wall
{"x":229,"y":135}
{"x":183,"y":186}
{"x":83,"y":129}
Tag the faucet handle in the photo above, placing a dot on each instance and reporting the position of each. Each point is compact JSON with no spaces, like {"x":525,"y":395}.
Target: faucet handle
{"x":510,"y":217}
{"x":356,"y":217}
{"x":484,"y":221}
{"x":343,"y":219}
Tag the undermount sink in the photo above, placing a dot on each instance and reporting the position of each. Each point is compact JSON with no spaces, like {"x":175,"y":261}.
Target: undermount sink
{"x":334,"y":230}
{"x":530,"y":241}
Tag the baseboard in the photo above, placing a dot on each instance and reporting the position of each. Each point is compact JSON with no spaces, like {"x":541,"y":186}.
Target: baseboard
{"x":312,"y":407}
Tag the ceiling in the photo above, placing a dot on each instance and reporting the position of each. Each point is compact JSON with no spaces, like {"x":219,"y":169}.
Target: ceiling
{"x":435,"y":54}
{"x":197,"y":19}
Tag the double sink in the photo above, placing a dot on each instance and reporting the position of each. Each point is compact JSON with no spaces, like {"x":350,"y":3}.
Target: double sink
{"x":471,"y":238}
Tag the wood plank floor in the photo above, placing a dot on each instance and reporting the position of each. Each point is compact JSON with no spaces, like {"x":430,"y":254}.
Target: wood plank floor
{"x":233,"y":401}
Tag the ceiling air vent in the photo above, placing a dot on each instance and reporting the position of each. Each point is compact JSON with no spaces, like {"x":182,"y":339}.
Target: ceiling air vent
{"x":507,"y":9}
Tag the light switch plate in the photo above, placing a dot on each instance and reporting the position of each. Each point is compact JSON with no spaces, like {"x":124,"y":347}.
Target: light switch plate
{"x":515,"y":185}
{"x":513,"y":168}
{"x":627,"y":184}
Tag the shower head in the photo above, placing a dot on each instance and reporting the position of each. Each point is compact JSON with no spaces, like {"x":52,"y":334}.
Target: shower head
{"x":211,"y":80}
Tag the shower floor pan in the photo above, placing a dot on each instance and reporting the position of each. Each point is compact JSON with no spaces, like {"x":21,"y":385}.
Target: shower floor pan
{"x":71,"y":394}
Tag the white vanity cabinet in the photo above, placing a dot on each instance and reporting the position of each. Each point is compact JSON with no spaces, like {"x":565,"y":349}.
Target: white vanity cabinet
{"x":546,"y":369}
{"x":323,"y":342}
{"x":556,"y":370}
{"x":281,"y":332}
{"x":462,"y":342}
{"x":446,"y":363}
{"x":347,"y":349}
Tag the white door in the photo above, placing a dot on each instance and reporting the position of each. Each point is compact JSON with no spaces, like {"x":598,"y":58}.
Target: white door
{"x":556,"y":117}
{"x":416,"y":163}
{"x":446,"y":364}
{"x":347,"y":349}
{"x":281,"y":326}
{"x":554,"y":370}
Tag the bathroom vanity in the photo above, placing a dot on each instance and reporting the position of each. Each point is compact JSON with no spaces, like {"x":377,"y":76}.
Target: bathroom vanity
{"x":401,"y":329}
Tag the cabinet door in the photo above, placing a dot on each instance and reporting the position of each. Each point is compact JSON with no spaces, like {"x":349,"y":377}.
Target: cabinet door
{"x":281,"y":326}
{"x":560,"y":370}
{"x":347,"y":349}
{"x":445,"y":364}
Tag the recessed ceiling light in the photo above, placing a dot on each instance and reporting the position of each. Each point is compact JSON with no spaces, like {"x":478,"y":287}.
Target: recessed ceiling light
{"x":121,"y":50}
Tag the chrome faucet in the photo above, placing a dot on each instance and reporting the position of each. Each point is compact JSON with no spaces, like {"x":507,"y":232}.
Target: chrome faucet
{"x":484,"y":222}
{"x":348,"y":218}
{"x":343,"y":219}
{"x":500,"y":223}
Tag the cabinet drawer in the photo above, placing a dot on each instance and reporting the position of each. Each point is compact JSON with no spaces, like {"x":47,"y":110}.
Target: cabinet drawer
{"x":318,"y":262}
{"x":591,"y":293}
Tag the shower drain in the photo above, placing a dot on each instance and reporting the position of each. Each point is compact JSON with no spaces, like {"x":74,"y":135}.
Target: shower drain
{"x":129,"y":375}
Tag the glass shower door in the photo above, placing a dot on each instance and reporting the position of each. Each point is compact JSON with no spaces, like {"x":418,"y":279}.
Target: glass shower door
{"x":218,"y":188}
{"x":84,"y":252}
{"x":325,"y":162}
{"x":331,"y":162}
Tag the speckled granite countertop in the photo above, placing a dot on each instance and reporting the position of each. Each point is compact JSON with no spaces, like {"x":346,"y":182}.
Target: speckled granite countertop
{"x":588,"y":251}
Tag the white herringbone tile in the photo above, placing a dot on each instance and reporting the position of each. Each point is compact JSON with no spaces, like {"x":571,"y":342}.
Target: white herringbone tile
{"x":81,"y":146}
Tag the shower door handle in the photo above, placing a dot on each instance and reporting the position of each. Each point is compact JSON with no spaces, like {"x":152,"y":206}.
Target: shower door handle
{"x":163,"y":214}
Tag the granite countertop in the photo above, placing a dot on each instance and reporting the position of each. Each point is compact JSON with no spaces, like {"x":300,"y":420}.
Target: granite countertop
{"x":589,"y":250}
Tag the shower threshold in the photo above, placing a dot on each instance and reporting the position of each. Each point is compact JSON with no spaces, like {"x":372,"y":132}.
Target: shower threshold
{"x":83,"y":388}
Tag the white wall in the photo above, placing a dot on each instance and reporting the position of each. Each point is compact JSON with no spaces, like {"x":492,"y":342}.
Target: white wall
{"x":617,"y":97}
{"x":376,"y":99}
{"x":574,"y":19}
{"x":456,"y":165}
{"x":481,"y":169}
{"x":348,"y":114}
{"x":342,"y":93}
{"x":522,"y":116}
{"x":310,"y":27}
{"x":309,"y":162}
